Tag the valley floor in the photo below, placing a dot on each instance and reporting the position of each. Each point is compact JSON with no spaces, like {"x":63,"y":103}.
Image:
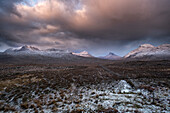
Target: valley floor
{"x":131,"y":86}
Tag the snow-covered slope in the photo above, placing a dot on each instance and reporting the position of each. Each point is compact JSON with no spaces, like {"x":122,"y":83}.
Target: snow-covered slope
{"x":111,"y":56}
{"x":33,"y":51}
{"x":150,"y":51}
{"x":22,"y":50}
{"x":83,"y":54}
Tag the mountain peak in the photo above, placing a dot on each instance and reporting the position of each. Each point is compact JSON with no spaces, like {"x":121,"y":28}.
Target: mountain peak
{"x":111,"y":56}
{"x":83,"y":54}
{"x":146,"y":46}
{"x":149,"y":51}
{"x":26,"y":47}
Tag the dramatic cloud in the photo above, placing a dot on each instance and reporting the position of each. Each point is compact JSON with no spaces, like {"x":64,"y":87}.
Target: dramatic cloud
{"x":95,"y":25}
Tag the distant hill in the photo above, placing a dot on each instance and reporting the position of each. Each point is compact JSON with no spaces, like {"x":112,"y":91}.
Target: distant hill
{"x":111,"y":56}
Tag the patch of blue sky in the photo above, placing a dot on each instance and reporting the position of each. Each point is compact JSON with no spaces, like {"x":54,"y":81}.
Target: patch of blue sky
{"x":31,"y":2}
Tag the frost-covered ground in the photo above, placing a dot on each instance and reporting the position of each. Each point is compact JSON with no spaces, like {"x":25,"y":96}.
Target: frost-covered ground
{"x":116,"y":87}
{"x":117,"y":96}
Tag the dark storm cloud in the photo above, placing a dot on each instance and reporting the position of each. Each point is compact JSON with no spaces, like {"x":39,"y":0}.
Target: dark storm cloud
{"x":11,"y":24}
{"x":7,"y":6}
{"x":85,"y":23}
{"x":126,"y":20}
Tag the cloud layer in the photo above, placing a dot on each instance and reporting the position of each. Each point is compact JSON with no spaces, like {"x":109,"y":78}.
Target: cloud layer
{"x":85,"y":24}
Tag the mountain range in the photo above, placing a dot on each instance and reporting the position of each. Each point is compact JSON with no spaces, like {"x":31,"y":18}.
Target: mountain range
{"x":32,"y":55}
{"x":29,"y":53}
{"x":30,"y":50}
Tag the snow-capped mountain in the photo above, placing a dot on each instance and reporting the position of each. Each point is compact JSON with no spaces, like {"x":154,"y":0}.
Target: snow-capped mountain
{"x":22,"y":50}
{"x":32,"y":51}
{"x":150,"y":51}
{"x":29,"y":55}
{"x":111,"y":56}
{"x":83,"y":54}
{"x":28,"y":48}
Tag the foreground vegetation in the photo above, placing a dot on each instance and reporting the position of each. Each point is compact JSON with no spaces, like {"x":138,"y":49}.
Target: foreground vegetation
{"x":128,"y":86}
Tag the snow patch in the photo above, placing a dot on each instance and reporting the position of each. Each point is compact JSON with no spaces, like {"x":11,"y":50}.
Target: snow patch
{"x":83,"y":54}
{"x":122,"y":86}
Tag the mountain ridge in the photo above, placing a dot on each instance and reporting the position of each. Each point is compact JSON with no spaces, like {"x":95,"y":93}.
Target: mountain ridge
{"x":149,"y":51}
{"x":24,"y":55}
{"x":144,"y":52}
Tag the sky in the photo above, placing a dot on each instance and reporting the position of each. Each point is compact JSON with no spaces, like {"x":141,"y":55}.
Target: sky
{"x":97,"y":26}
